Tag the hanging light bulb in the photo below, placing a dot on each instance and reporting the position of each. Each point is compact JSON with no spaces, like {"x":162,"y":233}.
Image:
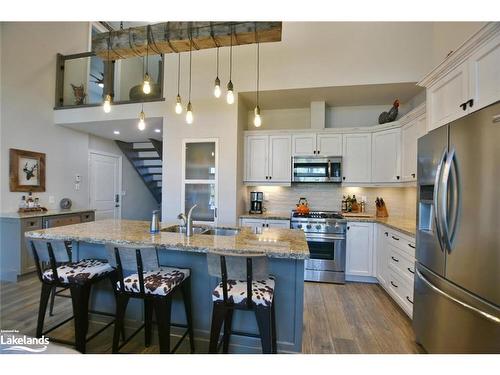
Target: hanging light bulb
{"x":230,"y":93}
{"x":178,"y":105}
{"x":257,"y":121}
{"x":217,"y":90}
{"x":146,"y":86}
{"x":107,"y":104}
{"x":178,"y":101}
{"x":189,"y":113}
{"x":142,"y":123}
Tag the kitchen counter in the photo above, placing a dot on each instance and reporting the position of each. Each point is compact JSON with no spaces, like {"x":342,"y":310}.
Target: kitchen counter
{"x":406,"y":226}
{"x":25,"y":215}
{"x":276,"y":243}
{"x":267,"y":216}
{"x":286,"y":250}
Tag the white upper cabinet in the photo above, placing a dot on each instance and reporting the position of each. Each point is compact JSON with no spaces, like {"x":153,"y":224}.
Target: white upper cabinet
{"x":280,"y":158}
{"x":445,"y":97}
{"x":329,"y":144}
{"x":357,"y":157}
{"x":304,"y":144}
{"x":268,"y":159}
{"x":359,"y":249}
{"x":468,"y":80}
{"x":484,"y":73}
{"x":410,"y":133}
{"x":386,"y":159}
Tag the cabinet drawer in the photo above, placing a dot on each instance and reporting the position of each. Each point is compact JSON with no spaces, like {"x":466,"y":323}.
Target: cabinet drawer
{"x":88,"y":216}
{"x":405,"y":243}
{"x":31,"y":224}
{"x":404,"y":264}
{"x":401,"y":291}
{"x":59,"y":221}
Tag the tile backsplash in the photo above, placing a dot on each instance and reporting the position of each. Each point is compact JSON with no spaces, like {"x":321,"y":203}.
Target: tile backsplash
{"x":400,"y":201}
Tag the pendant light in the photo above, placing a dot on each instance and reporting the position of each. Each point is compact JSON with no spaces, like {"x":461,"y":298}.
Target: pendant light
{"x":189,"y":109}
{"x":146,"y":86}
{"x":230,"y":93}
{"x":257,"y":121}
{"x":178,"y":101}
{"x":106,"y":106}
{"x":142,"y":119}
{"x":217,"y":91}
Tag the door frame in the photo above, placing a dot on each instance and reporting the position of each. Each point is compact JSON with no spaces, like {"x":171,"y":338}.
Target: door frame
{"x":120,"y":176}
{"x":216,"y":180}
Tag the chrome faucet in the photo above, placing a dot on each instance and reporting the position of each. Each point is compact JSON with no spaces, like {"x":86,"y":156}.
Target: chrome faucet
{"x":188,"y":221}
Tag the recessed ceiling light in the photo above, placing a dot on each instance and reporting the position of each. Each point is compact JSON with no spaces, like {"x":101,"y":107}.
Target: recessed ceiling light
{"x":116,"y":132}
{"x":157,"y":131}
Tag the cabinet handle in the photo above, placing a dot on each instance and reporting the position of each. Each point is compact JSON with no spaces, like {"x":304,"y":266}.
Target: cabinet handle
{"x":409,"y":300}
{"x":413,"y":175}
{"x":343,"y":178}
{"x":395,"y":259}
{"x":410,"y":270}
{"x":386,"y":234}
{"x":411,"y":245}
{"x":395,"y":238}
{"x":263,"y":224}
{"x":397,"y":177}
{"x":32,"y":223}
{"x":394,"y":285}
{"x":267,"y":225}
{"x":464,"y":106}
{"x":318,"y":151}
{"x":270,"y":177}
{"x":348,"y":228}
{"x":471,"y":103}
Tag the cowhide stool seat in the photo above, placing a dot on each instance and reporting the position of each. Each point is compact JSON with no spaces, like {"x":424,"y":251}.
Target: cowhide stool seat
{"x":139,"y":275}
{"x":245,"y":285}
{"x":56,"y":269}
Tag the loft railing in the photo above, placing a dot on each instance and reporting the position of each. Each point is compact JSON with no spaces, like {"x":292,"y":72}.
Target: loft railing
{"x":82,"y":80}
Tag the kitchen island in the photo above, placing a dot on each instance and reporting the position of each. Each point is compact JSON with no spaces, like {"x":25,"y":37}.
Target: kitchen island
{"x":286,"y":249}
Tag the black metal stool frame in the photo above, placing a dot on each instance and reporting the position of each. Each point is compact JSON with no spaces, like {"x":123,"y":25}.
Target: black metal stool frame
{"x":80,"y":293}
{"x":162,"y":305}
{"x":223,"y":314}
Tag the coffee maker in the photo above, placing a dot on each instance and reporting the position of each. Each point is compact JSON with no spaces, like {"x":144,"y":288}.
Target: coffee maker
{"x":256,"y":198}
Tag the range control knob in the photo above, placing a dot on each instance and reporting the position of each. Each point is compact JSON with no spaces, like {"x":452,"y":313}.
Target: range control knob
{"x":299,"y":226}
{"x":318,"y":227}
{"x":308,"y":226}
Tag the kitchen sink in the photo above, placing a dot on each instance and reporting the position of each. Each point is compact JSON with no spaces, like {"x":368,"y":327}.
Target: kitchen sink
{"x":182,"y":229}
{"x":221,"y":232}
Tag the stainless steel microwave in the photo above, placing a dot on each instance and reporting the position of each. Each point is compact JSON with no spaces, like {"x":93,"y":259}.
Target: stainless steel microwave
{"x":317,"y":169}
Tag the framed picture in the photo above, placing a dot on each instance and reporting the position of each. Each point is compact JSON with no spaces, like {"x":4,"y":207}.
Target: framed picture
{"x":27,"y":171}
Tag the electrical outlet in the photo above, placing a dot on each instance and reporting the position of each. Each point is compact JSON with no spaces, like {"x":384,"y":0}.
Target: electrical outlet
{"x":51,"y":199}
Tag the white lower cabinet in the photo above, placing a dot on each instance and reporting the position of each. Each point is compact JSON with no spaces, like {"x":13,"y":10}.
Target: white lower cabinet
{"x":359,"y":249}
{"x":395,"y":253}
{"x":264,"y":223}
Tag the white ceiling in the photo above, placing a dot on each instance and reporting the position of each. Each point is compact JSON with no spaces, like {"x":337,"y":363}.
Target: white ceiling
{"x":127,"y":128}
{"x":338,"y":96}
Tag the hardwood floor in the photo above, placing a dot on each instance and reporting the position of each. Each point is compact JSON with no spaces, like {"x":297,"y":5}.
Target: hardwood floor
{"x":350,"y":318}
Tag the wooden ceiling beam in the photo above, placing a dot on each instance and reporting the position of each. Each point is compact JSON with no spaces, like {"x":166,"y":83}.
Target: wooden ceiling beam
{"x":173,"y":37}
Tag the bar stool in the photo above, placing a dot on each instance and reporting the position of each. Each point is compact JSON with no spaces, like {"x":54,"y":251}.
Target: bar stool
{"x":245,"y":285}
{"x":139,"y":275}
{"x":78,"y":276}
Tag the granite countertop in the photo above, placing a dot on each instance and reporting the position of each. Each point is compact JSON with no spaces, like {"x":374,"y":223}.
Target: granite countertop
{"x":406,"y":226}
{"x":24,"y":215}
{"x":267,"y":216}
{"x":275,"y":242}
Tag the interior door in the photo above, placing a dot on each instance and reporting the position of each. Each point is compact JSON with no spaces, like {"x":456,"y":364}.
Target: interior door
{"x":473,"y":261}
{"x":105,"y":185}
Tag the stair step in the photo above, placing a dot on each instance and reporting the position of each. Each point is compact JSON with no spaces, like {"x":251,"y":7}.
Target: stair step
{"x":143,"y":149}
{"x":151,"y":174}
{"x":145,"y":158}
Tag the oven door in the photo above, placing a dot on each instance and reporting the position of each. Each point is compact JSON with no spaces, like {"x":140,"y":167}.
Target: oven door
{"x":316,"y":169}
{"x":326,"y":258}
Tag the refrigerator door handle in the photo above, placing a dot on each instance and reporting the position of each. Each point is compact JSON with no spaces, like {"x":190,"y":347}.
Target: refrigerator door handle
{"x":437,"y":181}
{"x":484,"y":314}
{"x":449,"y":231}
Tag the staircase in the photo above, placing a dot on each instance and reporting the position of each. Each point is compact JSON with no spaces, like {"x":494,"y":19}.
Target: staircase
{"x":146,"y":157}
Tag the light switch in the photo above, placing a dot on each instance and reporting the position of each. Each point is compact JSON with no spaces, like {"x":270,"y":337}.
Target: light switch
{"x":51,"y":199}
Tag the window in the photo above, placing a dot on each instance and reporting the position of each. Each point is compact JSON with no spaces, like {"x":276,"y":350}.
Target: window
{"x":199,"y":178}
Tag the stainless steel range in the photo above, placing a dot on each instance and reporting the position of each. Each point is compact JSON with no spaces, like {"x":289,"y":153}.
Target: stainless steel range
{"x":326,"y":236}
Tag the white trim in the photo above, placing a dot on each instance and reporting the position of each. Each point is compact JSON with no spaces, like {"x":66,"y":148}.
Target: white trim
{"x":212,"y":182}
{"x":120,"y":175}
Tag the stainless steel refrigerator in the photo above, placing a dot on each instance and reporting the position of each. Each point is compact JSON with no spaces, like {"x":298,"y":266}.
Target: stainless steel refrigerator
{"x":457,"y":282}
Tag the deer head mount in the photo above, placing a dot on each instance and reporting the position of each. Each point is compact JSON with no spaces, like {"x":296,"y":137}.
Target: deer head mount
{"x":30,"y":172}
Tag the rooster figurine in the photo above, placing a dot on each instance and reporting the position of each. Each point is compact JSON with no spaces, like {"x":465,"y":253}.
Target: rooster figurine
{"x":391,"y":115}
